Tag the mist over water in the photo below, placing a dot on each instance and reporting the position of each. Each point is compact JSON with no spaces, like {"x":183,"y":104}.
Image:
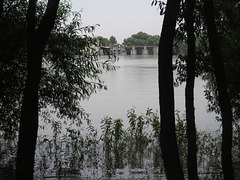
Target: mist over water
{"x":135,"y":84}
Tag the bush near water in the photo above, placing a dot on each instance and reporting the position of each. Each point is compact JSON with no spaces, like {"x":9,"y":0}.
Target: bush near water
{"x":118,"y":152}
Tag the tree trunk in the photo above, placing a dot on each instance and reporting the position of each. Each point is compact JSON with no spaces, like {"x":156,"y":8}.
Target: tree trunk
{"x":189,"y":92}
{"x":36,"y":42}
{"x":167,"y":134}
{"x":224,"y":101}
{"x":1,"y":9}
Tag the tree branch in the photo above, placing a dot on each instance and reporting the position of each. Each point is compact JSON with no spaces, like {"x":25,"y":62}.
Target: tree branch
{"x":47,"y":23}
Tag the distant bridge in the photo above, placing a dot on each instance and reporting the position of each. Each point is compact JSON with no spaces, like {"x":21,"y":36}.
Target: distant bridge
{"x":129,"y":50}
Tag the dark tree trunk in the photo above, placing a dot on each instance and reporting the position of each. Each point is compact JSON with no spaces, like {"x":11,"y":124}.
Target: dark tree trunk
{"x":167,"y":134}
{"x":36,"y":41}
{"x":224,"y":101}
{"x":1,"y":7}
{"x":189,"y":92}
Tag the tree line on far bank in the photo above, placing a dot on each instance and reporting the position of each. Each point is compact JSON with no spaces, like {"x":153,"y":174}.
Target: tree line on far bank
{"x":105,"y":41}
{"x":143,"y":39}
{"x":138,"y":39}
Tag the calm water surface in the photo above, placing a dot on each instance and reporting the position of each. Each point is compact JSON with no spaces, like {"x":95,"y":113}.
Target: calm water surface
{"x":135,"y":84}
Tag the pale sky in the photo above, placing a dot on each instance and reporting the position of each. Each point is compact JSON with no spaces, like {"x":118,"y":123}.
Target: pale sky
{"x":120,"y":18}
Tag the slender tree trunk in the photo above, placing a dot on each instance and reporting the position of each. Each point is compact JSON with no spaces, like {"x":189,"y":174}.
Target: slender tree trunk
{"x":29,"y":112}
{"x":36,"y":41}
{"x":224,"y":100}
{"x":1,"y":8}
{"x":167,"y":134}
{"x":189,"y":92}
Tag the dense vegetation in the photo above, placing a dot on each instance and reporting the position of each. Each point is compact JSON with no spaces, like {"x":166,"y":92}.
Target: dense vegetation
{"x":70,"y":68}
{"x":49,"y":64}
{"x":106,"y":42}
{"x":118,"y":151}
{"x":203,"y":25}
{"x":142,"y":39}
{"x":46,"y":68}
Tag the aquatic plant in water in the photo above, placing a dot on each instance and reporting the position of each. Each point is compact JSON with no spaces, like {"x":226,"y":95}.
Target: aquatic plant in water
{"x":118,"y":152}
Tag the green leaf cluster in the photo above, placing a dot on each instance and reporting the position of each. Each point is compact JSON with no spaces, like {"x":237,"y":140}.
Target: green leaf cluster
{"x":113,"y":40}
{"x":103,"y":41}
{"x":70,"y":69}
{"x":142,"y":39}
{"x":81,"y":150}
{"x":226,"y":15}
{"x":106,"y":42}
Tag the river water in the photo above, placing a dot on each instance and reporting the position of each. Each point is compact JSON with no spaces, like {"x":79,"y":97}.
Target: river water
{"x":135,"y":84}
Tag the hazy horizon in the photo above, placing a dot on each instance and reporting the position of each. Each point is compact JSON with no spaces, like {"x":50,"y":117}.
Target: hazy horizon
{"x":120,"y":18}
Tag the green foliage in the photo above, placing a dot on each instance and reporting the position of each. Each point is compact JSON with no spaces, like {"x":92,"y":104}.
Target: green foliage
{"x":226,"y":15}
{"x":12,"y":64}
{"x":103,"y":41}
{"x":70,"y":71}
{"x":114,"y":145}
{"x":113,"y":40}
{"x":181,"y":135}
{"x":228,"y":27}
{"x":107,"y":137}
{"x":138,"y":135}
{"x":8,"y":150}
{"x":119,"y":143}
{"x":161,"y":4}
{"x":69,"y":153}
{"x":209,"y":151}
{"x":235,"y":150}
{"x":83,"y":153}
{"x":142,"y":39}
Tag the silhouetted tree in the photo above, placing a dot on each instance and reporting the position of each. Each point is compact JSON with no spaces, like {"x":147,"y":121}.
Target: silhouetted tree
{"x":223,"y":97}
{"x":36,"y":41}
{"x":103,"y":41}
{"x":113,"y":40}
{"x":167,"y":133}
{"x":1,"y":7}
{"x":189,"y":92}
{"x":69,"y":51}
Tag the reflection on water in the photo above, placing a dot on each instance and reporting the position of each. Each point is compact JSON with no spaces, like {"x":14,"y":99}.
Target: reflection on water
{"x":135,"y":84}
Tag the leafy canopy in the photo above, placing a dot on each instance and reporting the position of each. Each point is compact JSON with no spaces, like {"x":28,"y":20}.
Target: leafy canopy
{"x":70,"y":70}
{"x":113,"y":40}
{"x":142,"y":39}
{"x":227,"y":20}
{"x":103,"y":41}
